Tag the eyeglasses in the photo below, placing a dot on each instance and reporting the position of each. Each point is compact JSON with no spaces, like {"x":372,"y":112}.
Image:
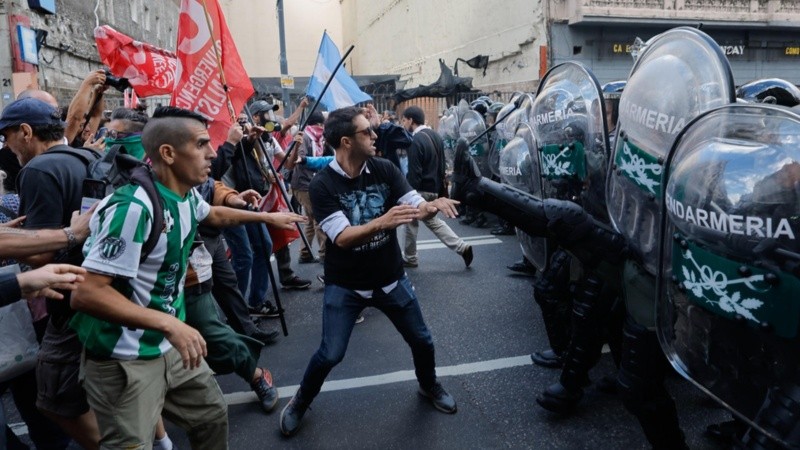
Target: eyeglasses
{"x":114,"y":134}
{"x":368,"y":132}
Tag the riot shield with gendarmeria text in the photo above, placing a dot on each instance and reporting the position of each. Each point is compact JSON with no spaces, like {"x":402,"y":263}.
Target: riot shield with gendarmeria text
{"x":519,"y":168}
{"x":728,"y":312}
{"x":568,"y":120}
{"x":681,"y":74}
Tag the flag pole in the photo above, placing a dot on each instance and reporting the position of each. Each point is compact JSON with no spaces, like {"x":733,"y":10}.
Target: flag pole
{"x":219,"y":62}
{"x":277,"y":180}
{"x":316,"y":103}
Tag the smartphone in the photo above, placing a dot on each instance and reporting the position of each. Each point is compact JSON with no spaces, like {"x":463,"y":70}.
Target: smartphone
{"x":93,"y":192}
{"x":100,"y":133}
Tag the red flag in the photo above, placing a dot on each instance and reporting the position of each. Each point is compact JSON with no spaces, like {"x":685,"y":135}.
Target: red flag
{"x":149,"y":69}
{"x":274,"y":202}
{"x":199,"y":87}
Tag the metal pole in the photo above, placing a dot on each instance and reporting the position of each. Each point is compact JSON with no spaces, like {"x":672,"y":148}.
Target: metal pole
{"x":261,"y":147}
{"x":272,"y":280}
{"x":517,"y":104}
{"x":314,"y":107}
{"x":287,"y":104}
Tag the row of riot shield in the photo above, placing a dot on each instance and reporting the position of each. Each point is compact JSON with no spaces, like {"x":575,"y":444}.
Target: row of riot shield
{"x":705,"y":193}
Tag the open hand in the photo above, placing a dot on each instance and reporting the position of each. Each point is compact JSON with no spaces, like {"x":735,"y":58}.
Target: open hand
{"x":398,"y":215}
{"x":445,"y":205}
{"x":283,"y":220}
{"x":189,"y":343}
{"x":44,"y":280}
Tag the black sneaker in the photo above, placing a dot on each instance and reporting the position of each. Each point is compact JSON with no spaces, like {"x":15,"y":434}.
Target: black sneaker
{"x":321,"y":278}
{"x":547,"y":358}
{"x":523,"y":267}
{"x":296,"y":283}
{"x":467,"y":255}
{"x":442,"y":401}
{"x":558,"y":399}
{"x":267,"y":337}
{"x":292,"y":414}
{"x":266,"y":310}
{"x":506,"y":230}
{"x":308,"y":260}
{"x":267,"y":393}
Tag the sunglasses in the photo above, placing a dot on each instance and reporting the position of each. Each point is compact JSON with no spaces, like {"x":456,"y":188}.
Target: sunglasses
{"x":368,"y":132}
{"x":114,"y":134}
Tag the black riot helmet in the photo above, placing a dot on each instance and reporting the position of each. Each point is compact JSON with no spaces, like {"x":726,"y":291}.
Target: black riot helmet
{"x":495,"y":108}
{"x":480,"y":105}
{"x":773,"y":91}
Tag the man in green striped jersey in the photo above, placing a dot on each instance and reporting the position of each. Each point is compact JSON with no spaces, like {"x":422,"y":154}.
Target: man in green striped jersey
{"x":140,"y":356}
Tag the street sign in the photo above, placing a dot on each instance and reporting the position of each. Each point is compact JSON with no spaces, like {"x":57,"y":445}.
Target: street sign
{"x":287,"y":82}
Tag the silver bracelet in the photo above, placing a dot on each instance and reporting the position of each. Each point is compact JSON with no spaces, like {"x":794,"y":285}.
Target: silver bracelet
{"x":72,"y":241}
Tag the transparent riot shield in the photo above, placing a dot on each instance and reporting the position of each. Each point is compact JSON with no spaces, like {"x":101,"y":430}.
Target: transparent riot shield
{"x":448,"y":130}
{"x":461,"y":109}
{"x":508,"y":118}
{"x":728,"y":310}
{"x":472,"y":125}
{"x":568,"y":120}
{"x":519,"y":168}
{"x":680,"y":74}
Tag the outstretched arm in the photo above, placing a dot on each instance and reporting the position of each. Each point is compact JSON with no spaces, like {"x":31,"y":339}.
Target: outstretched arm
{"x":221,"y":217}
{"x":355,"y":235}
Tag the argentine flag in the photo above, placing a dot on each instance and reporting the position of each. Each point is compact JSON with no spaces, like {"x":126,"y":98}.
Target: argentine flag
{"x":343,"y":90}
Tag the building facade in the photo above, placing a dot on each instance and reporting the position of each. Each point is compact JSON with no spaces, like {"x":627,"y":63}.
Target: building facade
{"x":761,"y":38}
{"x":58,"y":36}
{"x":522,"y":38}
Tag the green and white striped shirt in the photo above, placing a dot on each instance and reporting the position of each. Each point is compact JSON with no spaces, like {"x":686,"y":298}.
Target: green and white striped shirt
{"x":119,"y":228}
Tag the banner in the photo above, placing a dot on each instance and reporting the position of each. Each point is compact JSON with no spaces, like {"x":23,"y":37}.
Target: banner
{"x":199,"y":86}
{"x":343,"y":90}
{"x":274,"y":202}
{"x":149,"y":69}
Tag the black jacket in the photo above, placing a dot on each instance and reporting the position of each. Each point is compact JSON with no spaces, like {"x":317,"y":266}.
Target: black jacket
{"x":426,"y":162}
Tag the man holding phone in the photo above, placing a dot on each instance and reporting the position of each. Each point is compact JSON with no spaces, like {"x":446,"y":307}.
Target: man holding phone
{"x":50,"y":187}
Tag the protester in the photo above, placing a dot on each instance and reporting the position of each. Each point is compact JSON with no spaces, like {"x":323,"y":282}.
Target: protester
{"x":141,"y":358}
{"x":50,"y":187}
{"x":313,"y":145}
{"x":237,"y":166}
{"x":263,"y":114}
{"x":426,"y":174}
{"x":359,"y":201}
{"x":227,"y":351}
{"x":125,"y":128}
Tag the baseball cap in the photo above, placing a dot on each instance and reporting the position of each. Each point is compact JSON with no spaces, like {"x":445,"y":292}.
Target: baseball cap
{"x":260,"y":106}
{"x":31,"y":111}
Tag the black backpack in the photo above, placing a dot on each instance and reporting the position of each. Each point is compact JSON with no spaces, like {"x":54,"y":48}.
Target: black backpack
{"x":114,"y":169}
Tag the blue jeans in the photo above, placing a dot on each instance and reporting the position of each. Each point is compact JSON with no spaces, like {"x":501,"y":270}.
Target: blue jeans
{"x":250,"y":260}
{"x":340,"y":310}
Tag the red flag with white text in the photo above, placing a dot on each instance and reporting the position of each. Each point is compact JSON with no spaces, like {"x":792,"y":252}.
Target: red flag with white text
{"x":198,"y":86}
{"x":149,"y":69}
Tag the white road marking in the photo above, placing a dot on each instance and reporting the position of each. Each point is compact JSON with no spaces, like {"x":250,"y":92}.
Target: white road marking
{"x":429,"y":244}
{"x":236,"y":398}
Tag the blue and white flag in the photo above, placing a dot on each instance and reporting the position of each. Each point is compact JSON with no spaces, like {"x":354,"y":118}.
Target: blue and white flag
{"x":343,"y":90}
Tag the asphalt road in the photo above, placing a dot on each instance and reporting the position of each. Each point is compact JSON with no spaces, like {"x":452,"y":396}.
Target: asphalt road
{"x":485,"y":324}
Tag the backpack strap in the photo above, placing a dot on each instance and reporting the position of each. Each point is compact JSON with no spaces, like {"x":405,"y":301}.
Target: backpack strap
{"x":143,"y":177}
{"x":86,"y":155}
